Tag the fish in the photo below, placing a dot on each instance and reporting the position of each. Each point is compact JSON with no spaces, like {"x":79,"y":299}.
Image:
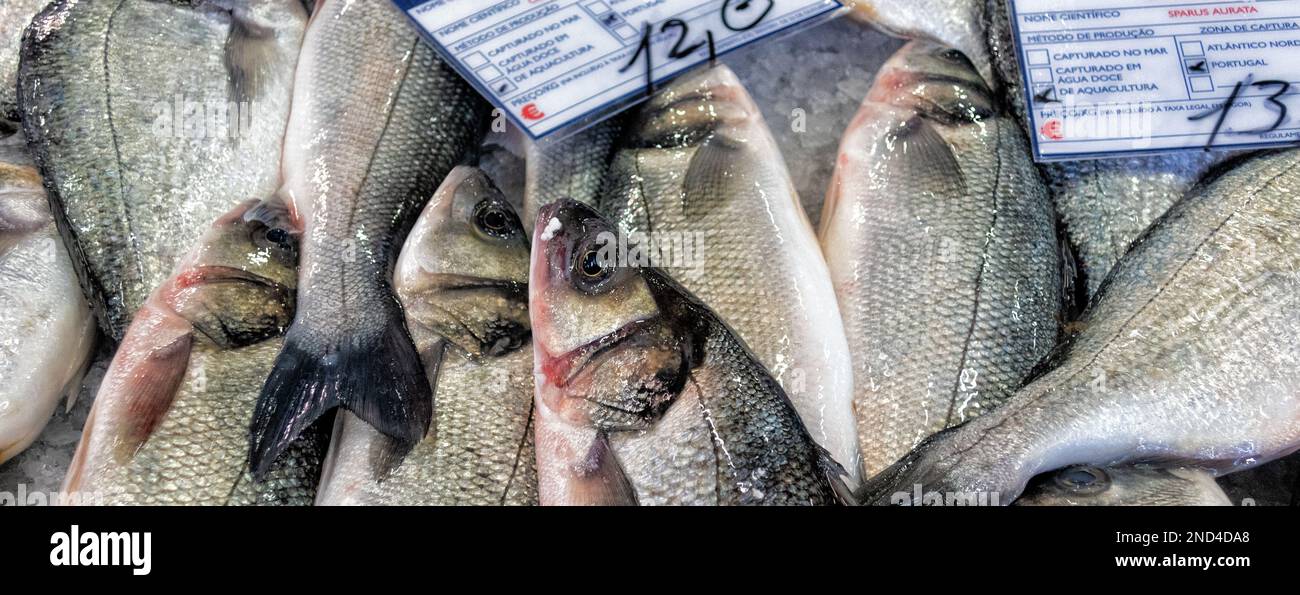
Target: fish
{"x":378,"y":122}
{"x":463,"y":279}
{"x":1185,"y":358}
{"x":139,"y":159}
{"x":1103,"y":204}
{"x":958,"y":24}
{"x":699,"y":189}
{"x":169,"y":424}
{"x":15,"y":15}
{"x":1085,"y":485}
{"x":941,"y":244}
{"x":574,"y":167}
{"x":47,"y":332}
{"x":645,"y":396}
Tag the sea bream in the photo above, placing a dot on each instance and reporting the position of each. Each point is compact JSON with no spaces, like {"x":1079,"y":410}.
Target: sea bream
{"x":699,"y":189}
{"x":378,"y":121}
{"x":46,"y":329}
{"x":463,"y":280}
{"x":941,"y":243}
{"x":169,"y":425}
{"x":1187,"y":357}
{"x":1134,"y":485}
{"x":149,"y":120}
{"x":645,"y":396}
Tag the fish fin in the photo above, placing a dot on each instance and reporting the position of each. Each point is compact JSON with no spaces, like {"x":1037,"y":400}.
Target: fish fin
{"x":922,"y":153}
{"x":602,"y":482}
{"x":150,"y":386}
{"x":76,"y":475}
{"x":380,"y":379}
{"x":835,"y":474}
{"x":249,"y":51}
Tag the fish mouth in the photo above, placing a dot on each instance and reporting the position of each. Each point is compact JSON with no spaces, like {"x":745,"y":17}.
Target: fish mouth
{"x":451,"y":282}
{"x":561,"y":372}
{"x":212,"y":274}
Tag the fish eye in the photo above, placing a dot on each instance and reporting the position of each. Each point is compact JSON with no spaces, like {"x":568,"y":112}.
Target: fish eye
{"x":1083,"y":479}
{"x":495,"y":220}
{"x":277,"y":236}
{"x":591,"y":273}
{"x":591,"y":267}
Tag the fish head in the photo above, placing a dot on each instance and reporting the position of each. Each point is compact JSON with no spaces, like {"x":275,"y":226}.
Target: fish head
{"x":238,"y":287}
{"x":695,"y":109}
{"x":939,"y":83}
{"x":1087,"y":485}
{"x":608,"y":355}
{"x":463,"y":273}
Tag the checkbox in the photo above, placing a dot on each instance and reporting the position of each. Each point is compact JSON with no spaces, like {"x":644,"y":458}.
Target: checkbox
{"x":490,"y":73}
{"x":1040,"y":75}
{"x":1197,"y":66}
{"x":1202,"y":84}
{"x":502,"y":87}
{"x":476,"y":60}
{"x":597,"y":7}
{"x":1045,"y":94}
{"x":1038,"y":58}
{"x":1193,"y":48}
{"x":626,"y":32}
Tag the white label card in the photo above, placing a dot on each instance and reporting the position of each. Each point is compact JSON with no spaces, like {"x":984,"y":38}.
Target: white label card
{"x":1109,"y":78}
{"x":555,"y":64}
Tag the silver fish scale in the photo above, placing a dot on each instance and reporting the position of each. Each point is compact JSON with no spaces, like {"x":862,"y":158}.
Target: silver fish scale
{"x":197,"y":455}
{"x":730,"y":438}
{"x":380,"y":124}
{"x":1188,"y":354}
{"x":133,"y":190}
{"x":479,"y":451}
{"x":1107,"y":203}
{"x":950,"y":293}
{"x":571,"y":168}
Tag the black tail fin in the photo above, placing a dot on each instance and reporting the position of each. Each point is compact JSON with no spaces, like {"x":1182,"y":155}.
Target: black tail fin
{"x":377,"y":377}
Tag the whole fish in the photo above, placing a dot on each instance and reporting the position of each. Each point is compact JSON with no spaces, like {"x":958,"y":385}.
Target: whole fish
{"x":46,"y":330}
{"x":1104,"y":204}
{"x":942,"y":246}
{"x":15,"y":15}
{"x":1085,"y":485}
{"x":463,"y":279}
{"x":644,"y":395}
{"x":957,"y":24}
{"x":169,"y":425}
{"x":1185,"y":358}
{"x":574,"y":167}
{"x":378,"y":121}
{"x":700,"y":190}
{"x":139,"y":158}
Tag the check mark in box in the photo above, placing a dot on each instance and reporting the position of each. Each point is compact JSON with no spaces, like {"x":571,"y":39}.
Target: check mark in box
{"x":1038,"y":58}
{"x":1040,"y":75}
{"x":1193,"y":48}
{"x":1201,"y":84}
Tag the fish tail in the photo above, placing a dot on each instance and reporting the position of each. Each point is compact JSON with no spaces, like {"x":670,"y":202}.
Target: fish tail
{"x":377,"y":376}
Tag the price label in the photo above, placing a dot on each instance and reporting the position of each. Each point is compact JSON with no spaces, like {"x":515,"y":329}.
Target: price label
{"x":1116,"y":77}
{"x":557,"y":65}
